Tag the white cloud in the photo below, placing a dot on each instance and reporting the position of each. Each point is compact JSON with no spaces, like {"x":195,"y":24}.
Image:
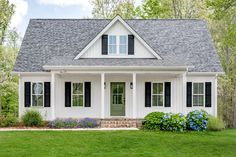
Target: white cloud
{"x":21,"y":8}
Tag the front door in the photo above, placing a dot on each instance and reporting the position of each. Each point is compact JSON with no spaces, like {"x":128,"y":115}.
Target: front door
{"x":117,"y":99}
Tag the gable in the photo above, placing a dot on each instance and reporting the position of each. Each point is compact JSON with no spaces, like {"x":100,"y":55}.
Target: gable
{"x":107,"y":28}
{"x":117,"y":29}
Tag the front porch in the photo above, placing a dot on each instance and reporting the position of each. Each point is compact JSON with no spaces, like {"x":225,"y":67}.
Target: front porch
{"x":115,"y":94}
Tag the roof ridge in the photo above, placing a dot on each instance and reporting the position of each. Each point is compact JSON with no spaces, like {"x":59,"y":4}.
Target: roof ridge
{"x":160,"y":19}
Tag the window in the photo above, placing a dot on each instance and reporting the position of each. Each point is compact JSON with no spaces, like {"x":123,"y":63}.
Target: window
{"x":123,"y":46}
{"x":117,"y":45}
{"x":198,"y":94}
{"x":112,"y":44}
{"x":37,"y":94}
{"x":77,"y":94}
{"x":157,"y":94}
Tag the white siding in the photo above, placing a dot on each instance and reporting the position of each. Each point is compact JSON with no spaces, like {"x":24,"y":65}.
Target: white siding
{"x":178,"y":99}
{"x":140,"y":51}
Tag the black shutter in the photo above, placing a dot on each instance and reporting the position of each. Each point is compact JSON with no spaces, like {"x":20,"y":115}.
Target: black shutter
{"x":104,"y":44}
{"x":27,"y":94}
{"x":87,"y":94}
{"x":167,"y":94}
{"x":189,"y":94}
{"x":47,"y":93}
{"x":67,"y":94}
{"x":148,"y":93}
{"x":208,"y":94}
{"x":130,"y":44}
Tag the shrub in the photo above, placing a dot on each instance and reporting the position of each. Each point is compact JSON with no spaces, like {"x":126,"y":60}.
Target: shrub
{"x":153,"y":121}
{"x":70,"y":123}
{"x":87,"y":123}
{"x":32,"y":118}
{"x":174,"y":122}
{"x":8,"y":121}
{"x":215,"y":124}
{"x":197,"y":120}
{"x":57,"y":123}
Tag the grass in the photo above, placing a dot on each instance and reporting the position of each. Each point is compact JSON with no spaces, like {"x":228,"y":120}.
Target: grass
{"x":117,"y":143}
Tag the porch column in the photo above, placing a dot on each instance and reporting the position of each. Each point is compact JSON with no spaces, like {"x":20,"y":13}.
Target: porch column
{"x":215,"y":96}
{"x":102,"y":95}
{"x":184,"y":90}
{"x":134,"y":96}
{"x":52,"y":95}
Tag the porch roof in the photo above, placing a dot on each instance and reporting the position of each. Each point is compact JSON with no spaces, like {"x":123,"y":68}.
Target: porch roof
{"x":63,"y":61}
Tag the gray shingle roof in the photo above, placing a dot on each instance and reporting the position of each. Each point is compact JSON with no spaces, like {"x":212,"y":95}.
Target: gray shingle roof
{"x":47,"y":41}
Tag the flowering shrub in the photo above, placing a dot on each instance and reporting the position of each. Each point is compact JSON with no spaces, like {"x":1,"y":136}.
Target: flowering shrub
{"x":173,"y":122}
{"x":87,"y":123}
{"x":197,"y":120}
{"x":73,"y":123}
{"x":57,"y":123}
{"x":153,"y":121}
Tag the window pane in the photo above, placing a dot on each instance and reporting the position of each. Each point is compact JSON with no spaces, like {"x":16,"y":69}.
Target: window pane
{"x":154,"y":90}
{"x":200,"y":100}
{"x":77,"y":88}
{"x":160,"y":100}
{"x":123,"y":40}
{"x":195,"y":88}
{"x":195,"y":100}
{"x":37,"y":100}
{"x":37,"y":88}
{"x":81,"y":100}
{"x":160,"y":88}
{"x":75,"y":100}
{"x":200,"y":88}
{"x":154,"y":100}
{"x":123,"y":49}
{"x":112,"y":49}
{"x":112,"y":40}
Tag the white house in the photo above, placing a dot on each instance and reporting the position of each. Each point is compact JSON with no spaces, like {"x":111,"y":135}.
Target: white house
{"x":101,"y":68}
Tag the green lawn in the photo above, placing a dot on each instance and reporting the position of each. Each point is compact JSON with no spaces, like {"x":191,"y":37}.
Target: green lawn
{"x":117,"y":143}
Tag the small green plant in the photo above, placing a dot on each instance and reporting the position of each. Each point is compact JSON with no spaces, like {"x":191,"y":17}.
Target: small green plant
{"x":32,"y":118}
{"x":215,"y":124}
{"x":153,"y":121}
{"x":174,"y":122}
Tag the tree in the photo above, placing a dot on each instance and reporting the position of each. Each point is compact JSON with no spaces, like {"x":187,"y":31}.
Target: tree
{"x":110,"y":8}
{"x":6,"y":12}
{"x":224,"y":33}
{"x":179,"y":9}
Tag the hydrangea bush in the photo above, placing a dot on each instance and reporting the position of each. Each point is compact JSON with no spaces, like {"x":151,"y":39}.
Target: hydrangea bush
{"x":197,"y":120}
{"x":153,"y":121}
{"x":173,"y":122}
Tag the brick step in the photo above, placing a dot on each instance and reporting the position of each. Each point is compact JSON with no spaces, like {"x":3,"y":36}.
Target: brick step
{"x":120,"y":123}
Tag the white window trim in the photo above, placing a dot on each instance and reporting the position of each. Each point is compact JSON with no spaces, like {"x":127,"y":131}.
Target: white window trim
{"x":199,"y":94}
{"x":76,"y":94}
{"x":31,"y":95}
{"x":158,"y":94}
{"x":117,"y":45}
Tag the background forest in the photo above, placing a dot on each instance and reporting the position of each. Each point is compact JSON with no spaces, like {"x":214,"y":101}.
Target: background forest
{"x":220,"y":15}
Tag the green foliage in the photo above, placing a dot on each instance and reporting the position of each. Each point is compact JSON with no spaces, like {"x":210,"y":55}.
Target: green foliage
{"x":197,"y":120}
{"x":174,"y":122}
{"x":215,"y":124}
{"x":32,"y":118}
{"x":8,"y":120}
{"x":6,"y":12}
{"x":110,"y":8}
{"x":153,"y":121}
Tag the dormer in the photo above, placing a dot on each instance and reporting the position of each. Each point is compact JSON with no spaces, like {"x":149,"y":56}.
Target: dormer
{"x":118,"y":40}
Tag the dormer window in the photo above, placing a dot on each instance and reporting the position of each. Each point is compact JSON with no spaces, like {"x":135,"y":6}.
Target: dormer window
{"x":117,"y":45}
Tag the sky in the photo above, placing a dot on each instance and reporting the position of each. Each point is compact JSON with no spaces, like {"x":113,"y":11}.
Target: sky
{"x":27,"y":9}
